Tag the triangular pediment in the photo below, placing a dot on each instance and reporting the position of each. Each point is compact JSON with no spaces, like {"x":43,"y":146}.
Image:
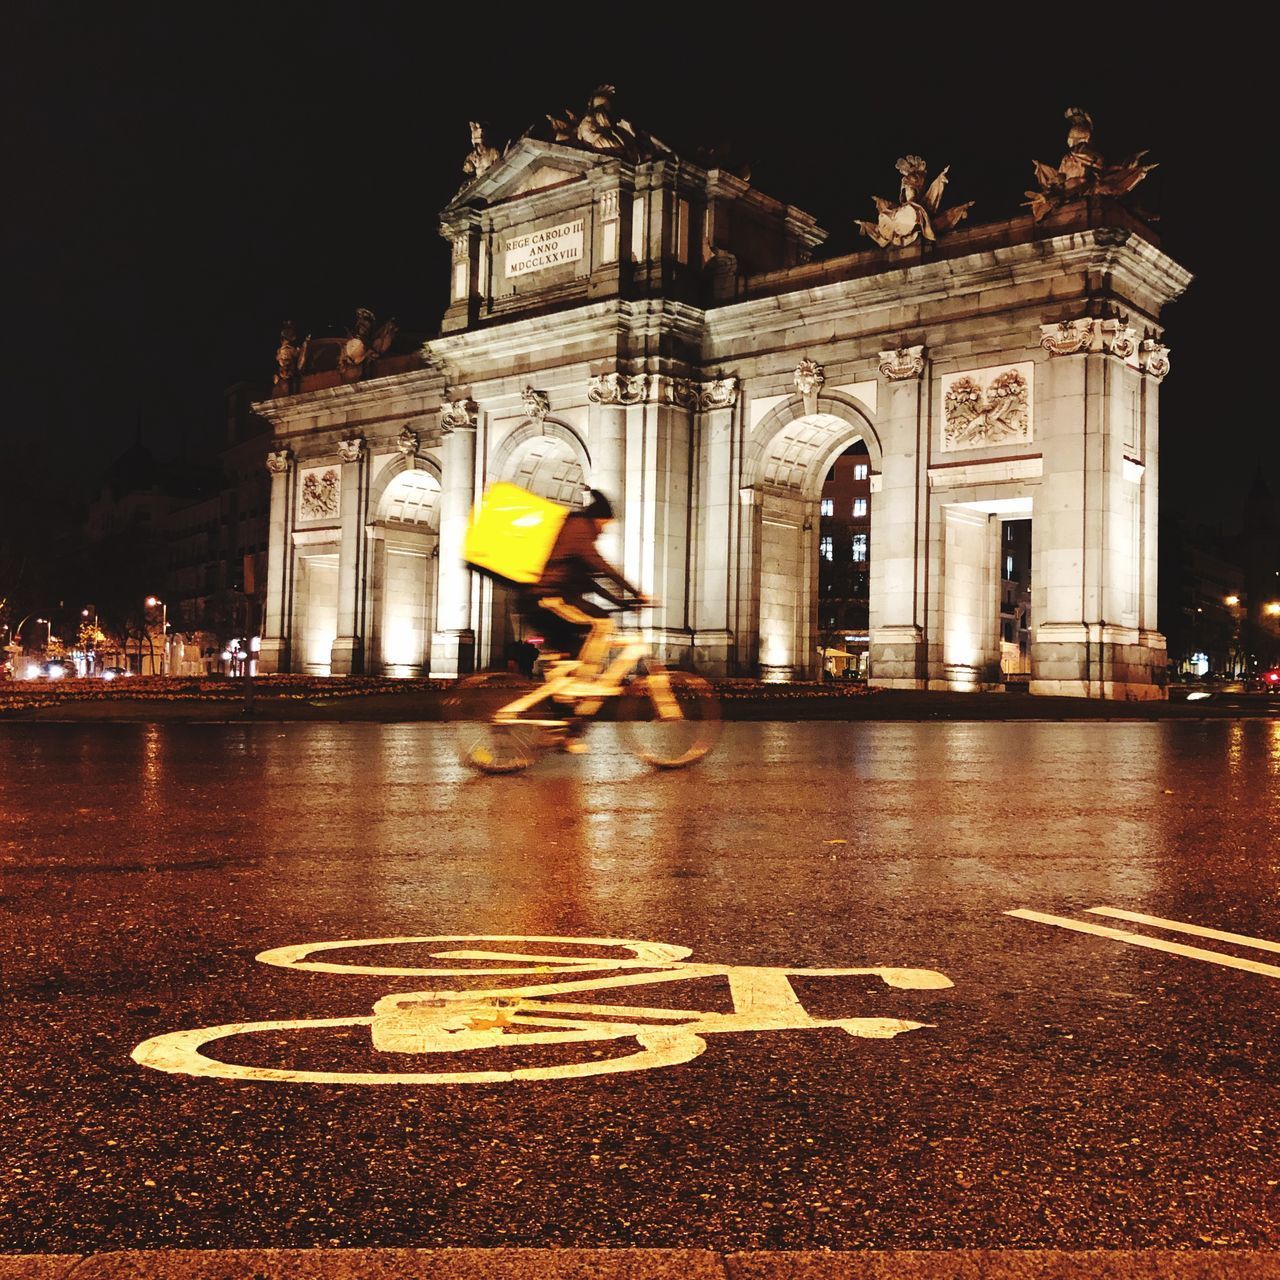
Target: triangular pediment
{"x":527,"y":166}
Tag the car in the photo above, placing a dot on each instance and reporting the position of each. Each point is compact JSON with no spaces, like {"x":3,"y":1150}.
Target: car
{"x":1265,"y":681}
{"x":114,"y":673}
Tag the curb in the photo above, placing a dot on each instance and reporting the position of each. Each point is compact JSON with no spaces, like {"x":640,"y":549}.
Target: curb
{"x":642,"y":1264}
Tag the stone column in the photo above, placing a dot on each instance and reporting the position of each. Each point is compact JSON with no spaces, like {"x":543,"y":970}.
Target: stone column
{"x":346,"y":655}
{"x":746,"y":573}
{"x":971,"y":600}
{"x":898,"y":656}
{"x":453,"y":642}
{"x":274,"y":654}
{"x":1154,"y":361}
{"x":608,"y":395}
{"x":1090,"y":549}
{"x":665,"y":518}
{"x":714,"y":508}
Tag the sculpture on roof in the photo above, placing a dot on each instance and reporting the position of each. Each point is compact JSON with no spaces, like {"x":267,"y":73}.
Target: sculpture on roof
{"x":291,"y":359}
{"x":1082,"y":171}
{"x":364,"y":345}
{"x":482,"y":156}
{"x":600,"y":129}
{"x":915,"y":214}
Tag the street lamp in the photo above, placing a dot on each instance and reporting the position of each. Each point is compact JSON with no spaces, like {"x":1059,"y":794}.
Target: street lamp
{"x":1272,"y":608}
{"x":152,"y":602}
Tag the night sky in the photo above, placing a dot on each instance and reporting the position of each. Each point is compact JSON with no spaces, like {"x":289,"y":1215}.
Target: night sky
{"x":183,"y":179}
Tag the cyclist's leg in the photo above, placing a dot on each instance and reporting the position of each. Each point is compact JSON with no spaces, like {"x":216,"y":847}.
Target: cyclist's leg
{"x":589,"y":626}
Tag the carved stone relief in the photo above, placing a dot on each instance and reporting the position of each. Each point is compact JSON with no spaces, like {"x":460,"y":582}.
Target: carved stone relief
{"x":349,"y":449}
{"x":278,"y":461}
{"x":319,"y":493}
{"x":537,"y":404}
{"x":808,"y":377}
{"x":903,"y":363}
{"x":407,"y":441}
{"x":983,"y":407}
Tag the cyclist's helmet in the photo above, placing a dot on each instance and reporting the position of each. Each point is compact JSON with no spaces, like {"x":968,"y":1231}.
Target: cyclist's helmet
{"x":597,"y":506}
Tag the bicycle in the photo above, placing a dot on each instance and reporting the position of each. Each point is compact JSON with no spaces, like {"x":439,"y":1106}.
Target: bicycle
{"x":666,"y":718}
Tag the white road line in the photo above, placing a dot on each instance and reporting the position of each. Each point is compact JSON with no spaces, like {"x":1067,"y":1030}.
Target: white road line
{"x":1177,"y":926}
{"x":1156,"y":944}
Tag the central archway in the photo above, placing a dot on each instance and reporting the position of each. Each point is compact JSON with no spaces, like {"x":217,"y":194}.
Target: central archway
{"x":546,"y":457}
{"x":787,"y":460}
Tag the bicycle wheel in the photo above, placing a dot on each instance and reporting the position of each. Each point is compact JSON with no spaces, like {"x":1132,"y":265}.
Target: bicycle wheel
{"x":668,"y":718}
{"x":470,"y":707}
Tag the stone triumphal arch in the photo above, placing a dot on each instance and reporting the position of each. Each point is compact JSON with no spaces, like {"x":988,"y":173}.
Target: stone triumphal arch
{"x":619,"y":317}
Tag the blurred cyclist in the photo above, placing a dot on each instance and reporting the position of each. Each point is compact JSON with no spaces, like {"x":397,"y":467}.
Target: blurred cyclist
{"x":555,"y":605}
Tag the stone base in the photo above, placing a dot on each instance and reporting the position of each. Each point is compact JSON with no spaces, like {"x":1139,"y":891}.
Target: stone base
{"x":453,"y":654}
{"x":1098,"y":661}
{"x":273,"y":657}
{"x":896,"y":658}
{"x":712,"y":652}
{"x":895,"y":682}
{"x":346,"y":657}
{"x":1107,"y":689}
{"x":674,"y":646}
{"x":777,"y":675}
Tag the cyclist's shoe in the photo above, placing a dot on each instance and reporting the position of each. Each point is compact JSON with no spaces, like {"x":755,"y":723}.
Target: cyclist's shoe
{"x":574,"y":747}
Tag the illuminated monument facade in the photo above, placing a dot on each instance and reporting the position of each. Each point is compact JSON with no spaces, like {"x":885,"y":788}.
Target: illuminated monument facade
{"x":623,"y":318}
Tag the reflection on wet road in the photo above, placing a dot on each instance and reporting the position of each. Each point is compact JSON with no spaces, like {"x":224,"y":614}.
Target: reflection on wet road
{"x":1071,"y":1089}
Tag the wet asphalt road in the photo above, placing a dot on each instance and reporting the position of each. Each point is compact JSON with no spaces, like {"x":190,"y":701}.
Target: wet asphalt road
{"x":1071,"y":1091}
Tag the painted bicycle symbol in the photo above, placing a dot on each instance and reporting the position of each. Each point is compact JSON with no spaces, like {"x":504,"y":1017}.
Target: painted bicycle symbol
{"x":459,"y":1019}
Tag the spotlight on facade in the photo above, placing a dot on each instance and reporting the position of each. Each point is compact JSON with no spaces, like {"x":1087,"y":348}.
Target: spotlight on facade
{"x":1272,"y":608}
{"x":1232,"y":601}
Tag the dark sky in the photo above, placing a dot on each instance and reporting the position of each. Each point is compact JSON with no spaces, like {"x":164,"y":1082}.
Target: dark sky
{"x":183,"y":177}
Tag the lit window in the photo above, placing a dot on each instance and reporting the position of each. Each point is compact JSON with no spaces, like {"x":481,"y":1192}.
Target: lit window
{"x":859,"y":547}
{"x":859,"y":470}
{"x":1008,"y":566}
{"x":827,"y":507}
{"x":859,"y":507}
{"x":826,"y":548}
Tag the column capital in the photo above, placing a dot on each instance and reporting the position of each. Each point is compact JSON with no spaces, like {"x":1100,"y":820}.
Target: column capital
{"x":1113,"y":336}
{"x":1067,"y":337}
{"x":1153,"y":357}
{"x":902,"y":363}
{"x":701,"y":397}
{"x":458,"y":415}
{"x":1118,"y":338}
{"x":618,"y":388}
{"x":278,"y":461}
{"x":349,"y":449}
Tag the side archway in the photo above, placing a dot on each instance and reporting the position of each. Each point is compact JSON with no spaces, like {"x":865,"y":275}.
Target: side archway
{"x":547,"y":458}
{"x":786,"y":462}
{"x":403,"y":541}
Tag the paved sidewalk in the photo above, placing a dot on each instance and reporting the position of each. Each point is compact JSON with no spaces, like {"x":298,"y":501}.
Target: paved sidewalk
{"x":641,"y":1264}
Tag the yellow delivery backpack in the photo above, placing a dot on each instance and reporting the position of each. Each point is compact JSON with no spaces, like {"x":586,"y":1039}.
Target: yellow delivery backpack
{"x":511,"y":533}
